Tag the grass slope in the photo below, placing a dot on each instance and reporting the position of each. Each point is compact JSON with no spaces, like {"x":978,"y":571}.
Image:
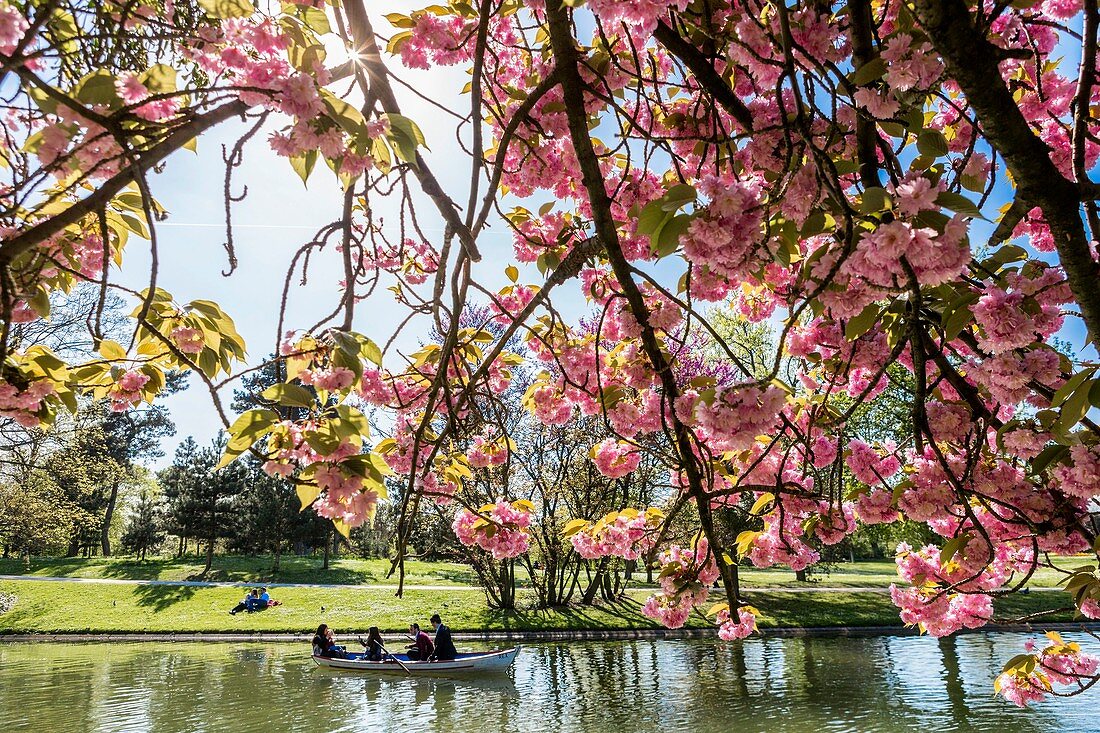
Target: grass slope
{"x":58,"y":607}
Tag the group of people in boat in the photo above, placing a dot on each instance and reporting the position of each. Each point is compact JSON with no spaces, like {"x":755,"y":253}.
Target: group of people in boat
{"x":422,"y":647}
{"x":256,"y":599}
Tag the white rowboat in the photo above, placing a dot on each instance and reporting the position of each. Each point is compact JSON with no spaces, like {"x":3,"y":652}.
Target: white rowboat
{"x":477,"y":662}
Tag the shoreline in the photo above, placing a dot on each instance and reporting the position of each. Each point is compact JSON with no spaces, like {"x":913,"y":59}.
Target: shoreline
{"x":543,"y":636}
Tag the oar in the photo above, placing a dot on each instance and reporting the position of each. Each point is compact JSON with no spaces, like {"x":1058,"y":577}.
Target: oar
{"x":399,"y":663}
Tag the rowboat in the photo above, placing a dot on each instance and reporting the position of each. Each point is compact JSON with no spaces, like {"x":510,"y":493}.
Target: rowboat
{"x":473,"y":663}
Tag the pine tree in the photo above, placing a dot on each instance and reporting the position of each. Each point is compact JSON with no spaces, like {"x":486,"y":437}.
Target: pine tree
{"x":144,"y":530}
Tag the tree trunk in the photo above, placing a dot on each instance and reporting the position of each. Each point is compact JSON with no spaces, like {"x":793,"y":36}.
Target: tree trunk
{"x":105,"y":534}
{"x":595,"y":583}
{"x":328,"y":545}
{"x":179,"y":552}
{"x":209,"y":556}
{"x":800,"y":576}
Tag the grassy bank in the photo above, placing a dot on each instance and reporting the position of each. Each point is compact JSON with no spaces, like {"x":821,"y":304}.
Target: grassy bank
{"x":241,"y":569}
{"x":53,"y":607}
{"x":352,"y":571}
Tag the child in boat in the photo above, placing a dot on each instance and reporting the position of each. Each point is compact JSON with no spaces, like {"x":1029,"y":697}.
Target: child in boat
{"x":422,"y":646}
{"x":324,"y":644}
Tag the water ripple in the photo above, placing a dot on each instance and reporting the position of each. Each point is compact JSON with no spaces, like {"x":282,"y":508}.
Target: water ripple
{"x":878,"y":685}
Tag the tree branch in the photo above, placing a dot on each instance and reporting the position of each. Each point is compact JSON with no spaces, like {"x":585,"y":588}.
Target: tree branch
{"x":973,"y":62}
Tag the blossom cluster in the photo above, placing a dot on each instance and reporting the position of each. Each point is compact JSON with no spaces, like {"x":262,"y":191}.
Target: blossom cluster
{"x":500,"y":529}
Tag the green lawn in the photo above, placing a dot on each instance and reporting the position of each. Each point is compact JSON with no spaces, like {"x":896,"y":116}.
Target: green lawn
{"x":243,"y":569}
{"x":44,"y":606}
{"x":352,"y":571}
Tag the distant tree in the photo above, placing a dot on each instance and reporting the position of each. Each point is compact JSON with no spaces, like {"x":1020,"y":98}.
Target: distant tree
{"x":133,"y":436}
{"x":144,"y":530}
{"x":199,"y":498}
{"x":268,"y":517}
{"x":35,"y":517}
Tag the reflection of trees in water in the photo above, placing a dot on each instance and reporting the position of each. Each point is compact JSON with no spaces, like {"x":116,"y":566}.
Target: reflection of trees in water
{"x":953,"y":684}
{"x":884,"y":685}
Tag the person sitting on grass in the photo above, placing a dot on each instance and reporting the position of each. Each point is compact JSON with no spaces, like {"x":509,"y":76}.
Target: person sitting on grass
{"x":422,"y":646}
{"x":266,"y":601}
{"x":248,"y":603}
{"x":444,"y":648}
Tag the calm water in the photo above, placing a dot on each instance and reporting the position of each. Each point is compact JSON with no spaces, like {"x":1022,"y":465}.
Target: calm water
{"x":803,"y":685}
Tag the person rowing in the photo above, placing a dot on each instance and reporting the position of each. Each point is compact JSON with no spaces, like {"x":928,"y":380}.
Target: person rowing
{"x":422,"y":647}
{"x":373,"y":647}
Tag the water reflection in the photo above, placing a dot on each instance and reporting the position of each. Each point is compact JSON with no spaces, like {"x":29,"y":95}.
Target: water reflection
{"x":879,"y":684}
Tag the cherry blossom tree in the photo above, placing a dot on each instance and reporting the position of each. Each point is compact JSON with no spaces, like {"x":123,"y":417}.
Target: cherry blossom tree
{"x":892,"y":184}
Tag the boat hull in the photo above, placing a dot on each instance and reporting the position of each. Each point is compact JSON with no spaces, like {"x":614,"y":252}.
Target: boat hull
{"x":479,"y":663}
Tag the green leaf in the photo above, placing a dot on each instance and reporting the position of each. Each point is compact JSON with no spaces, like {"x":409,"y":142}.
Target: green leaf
{"x":370,"y":350}
{"x":762,"y":503}
{"x":405,"y":136}
{"x":159,"y":79}
{"x":862,"y":323}
{"x":959,"y":204}
{"x":678,"y":196}
{"x":397,"y":40}
{"x":293,"y":395}
{"x":932,"y":143}
{"x":573,"y":526}
{"x":399,"y":20}
{"x":315,"y":19}
{"x":652,"y":218}
{"x":245,"y":431}
{"x":874,"y":200}
{"x":322,"y":440}
{"x":1074,"y":408}
{"x":343,"y":114}
{"x":354,"y":419}
{"x":668,"y":240}
{"x":303,"y":164}
{"x":958,"y":314}
{"x":1046,"y":457}
{"x":228,"y":8}
{"x":98,"y":87}
{"x":1071,"y":386}
{"x":112,"y":350}
{"x":869,"y":72}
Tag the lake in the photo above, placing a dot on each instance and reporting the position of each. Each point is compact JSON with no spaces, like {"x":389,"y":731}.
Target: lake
{"x":806,"y":685}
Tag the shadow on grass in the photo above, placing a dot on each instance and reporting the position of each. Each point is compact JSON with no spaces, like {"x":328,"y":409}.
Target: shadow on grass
{"x":162,"y":597}
{"x":58,"y":566}
{"x":623,"y":615}
{"x":460,"y":577}
{"x":137,"y":569}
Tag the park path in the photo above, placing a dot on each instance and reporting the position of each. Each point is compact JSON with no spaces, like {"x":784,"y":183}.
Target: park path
{"x":393,"y":587}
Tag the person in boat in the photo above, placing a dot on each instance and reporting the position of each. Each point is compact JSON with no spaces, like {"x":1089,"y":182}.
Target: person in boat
{"x":374,"y":648}
{"x":248,"y":603}
{"x":324,"y":644}
{"x":422,"y":647}
{"x":444,"y":647}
